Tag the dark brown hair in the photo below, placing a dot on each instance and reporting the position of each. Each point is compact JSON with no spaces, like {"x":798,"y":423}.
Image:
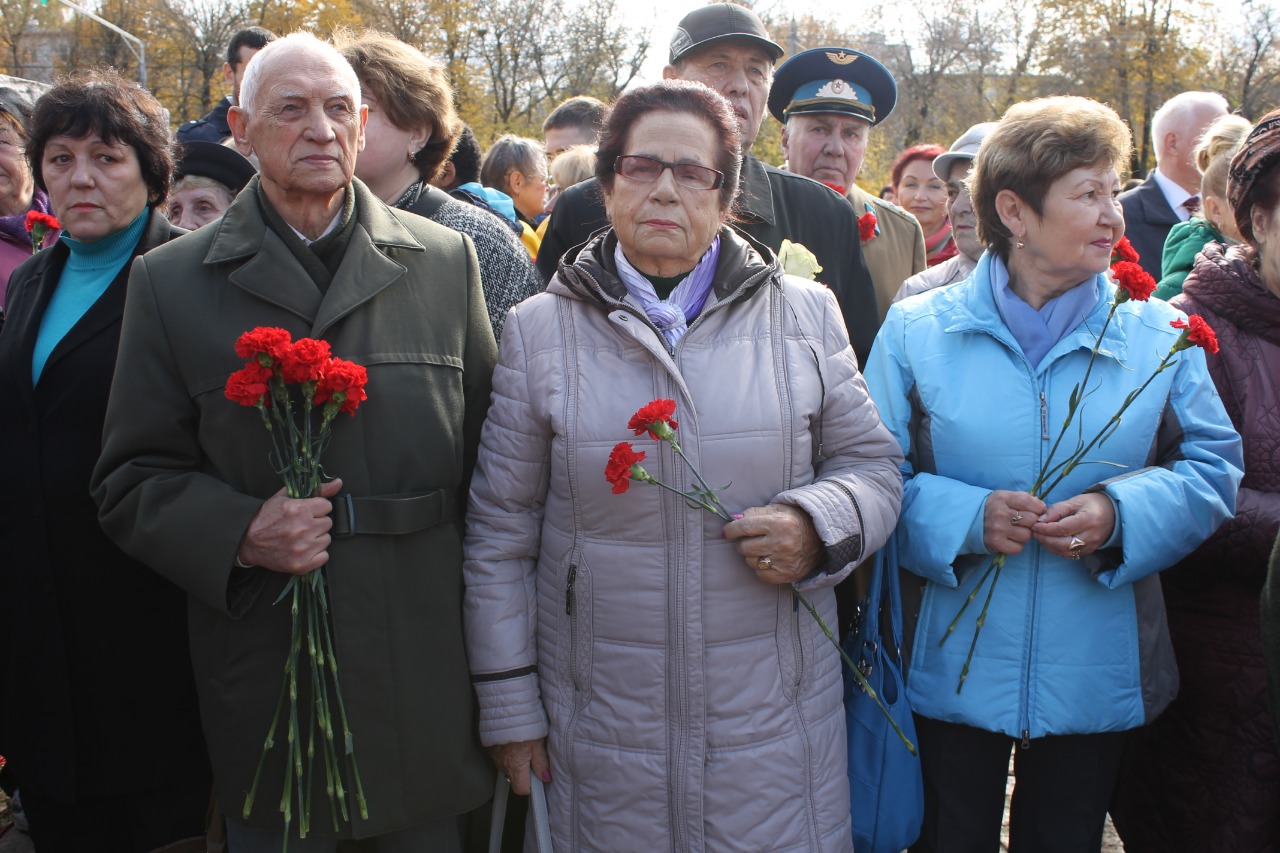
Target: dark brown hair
{"x":683,"y":97}
{"x":100,"y":101}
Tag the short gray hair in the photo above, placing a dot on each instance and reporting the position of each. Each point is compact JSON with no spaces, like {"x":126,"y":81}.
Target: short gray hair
{"x":1177,"y":112}
{"x":253,"y":71}
{"x":510,"y":153}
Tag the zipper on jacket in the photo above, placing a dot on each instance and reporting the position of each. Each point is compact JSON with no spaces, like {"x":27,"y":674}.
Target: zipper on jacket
{"x":799,"y":635}
{"x":1026,"y":739}
{"x":568,"y":590}
{"x":1044,"y":417}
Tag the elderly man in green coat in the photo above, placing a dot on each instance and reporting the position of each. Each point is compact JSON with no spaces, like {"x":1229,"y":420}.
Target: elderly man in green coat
{"x":186,"y":482}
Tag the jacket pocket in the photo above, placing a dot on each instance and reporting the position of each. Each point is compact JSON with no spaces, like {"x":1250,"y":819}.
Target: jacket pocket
{"x":577,"y":632}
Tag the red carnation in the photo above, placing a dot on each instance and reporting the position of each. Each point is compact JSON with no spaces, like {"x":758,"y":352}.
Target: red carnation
{"x":264,"y":340}
{"x":1124,"y":251}
{"x":248,"y":386}
{"x":342,"y":382}
{"x":303,"y":360}
{"x":1196,"y":332}
{"x":866,"y":226}
{"x":835,"y":187}
{"x":36,"y":218}
{"x":1133,"y":282}
{"x":624,"y":463}
{"x":38,"y":224}
{"x":654,"y":418}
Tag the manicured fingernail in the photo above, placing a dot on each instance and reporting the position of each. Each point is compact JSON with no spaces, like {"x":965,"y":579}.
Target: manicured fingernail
{"x":545,"y":775}
{"x":738,"y":515}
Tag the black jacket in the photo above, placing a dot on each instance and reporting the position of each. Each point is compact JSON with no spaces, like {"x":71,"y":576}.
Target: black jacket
{"x":212,"y":128}
{"x":774,"y":205}
{"x":96,"y":692}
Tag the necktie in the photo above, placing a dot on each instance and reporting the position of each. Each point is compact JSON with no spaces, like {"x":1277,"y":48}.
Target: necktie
{"x":1192,"y":204}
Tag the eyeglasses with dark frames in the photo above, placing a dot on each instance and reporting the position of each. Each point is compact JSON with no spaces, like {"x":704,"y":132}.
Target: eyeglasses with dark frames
{"x":647,"y":170}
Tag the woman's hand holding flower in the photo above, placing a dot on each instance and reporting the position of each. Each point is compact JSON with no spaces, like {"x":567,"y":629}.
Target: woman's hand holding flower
{"x":1007,"y":520}
{"x":515,"y":760}
{"x":1089,"y":518}
{"x":784,"y":534}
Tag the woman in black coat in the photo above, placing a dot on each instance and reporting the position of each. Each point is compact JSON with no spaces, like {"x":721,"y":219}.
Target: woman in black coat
{"x":98,"y":714}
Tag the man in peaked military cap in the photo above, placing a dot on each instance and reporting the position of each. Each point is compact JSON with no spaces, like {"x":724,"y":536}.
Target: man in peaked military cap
{"x":726,"y":47}
{"x":829,"y":98}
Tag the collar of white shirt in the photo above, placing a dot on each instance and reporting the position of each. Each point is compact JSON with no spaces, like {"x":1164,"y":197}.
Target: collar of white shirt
{"x":1173,"y":194}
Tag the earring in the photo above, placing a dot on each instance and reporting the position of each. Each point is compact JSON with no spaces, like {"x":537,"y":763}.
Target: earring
{"x":1020,"y":244}
{"x":409,"y":156}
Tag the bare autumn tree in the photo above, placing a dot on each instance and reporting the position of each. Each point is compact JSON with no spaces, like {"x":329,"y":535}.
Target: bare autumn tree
{"x":1131,"y":54}
{"x":191,"y":49}
{"x":538,"y":52}
{"x":1248,"y":66}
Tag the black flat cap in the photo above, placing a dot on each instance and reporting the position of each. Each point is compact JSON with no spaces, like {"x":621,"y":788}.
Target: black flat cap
{"x":716,"y":22}
{"x":218,"y":162}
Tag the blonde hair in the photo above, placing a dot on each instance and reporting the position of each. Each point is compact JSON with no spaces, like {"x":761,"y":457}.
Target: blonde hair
{"x":1213,"y":153}
{"x":1034,"y":144}
{"x":573,"y":165}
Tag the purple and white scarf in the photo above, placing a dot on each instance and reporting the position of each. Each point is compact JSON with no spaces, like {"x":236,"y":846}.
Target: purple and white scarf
{"x":673,"y":314}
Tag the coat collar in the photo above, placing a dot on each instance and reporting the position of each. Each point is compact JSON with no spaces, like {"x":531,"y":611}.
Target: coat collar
{"x":745,"y":265}
{"x":270,"y":271}
{"x":973,"y":309}
{"x":107,"y":310}
{"x":755,"y":201}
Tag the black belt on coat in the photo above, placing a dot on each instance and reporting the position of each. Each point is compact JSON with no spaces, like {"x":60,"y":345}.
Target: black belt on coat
{"x":389,"y":515}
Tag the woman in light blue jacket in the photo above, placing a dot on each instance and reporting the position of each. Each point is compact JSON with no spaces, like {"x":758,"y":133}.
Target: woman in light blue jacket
{"x":975,"y":381}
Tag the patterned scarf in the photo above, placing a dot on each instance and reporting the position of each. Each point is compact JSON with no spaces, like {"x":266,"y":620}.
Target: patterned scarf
{"x":673,"y":314}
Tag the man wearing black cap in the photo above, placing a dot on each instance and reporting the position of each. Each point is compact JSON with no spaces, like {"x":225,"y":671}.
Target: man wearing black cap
{"x":727,"y":48}
{"x":829,"y":98}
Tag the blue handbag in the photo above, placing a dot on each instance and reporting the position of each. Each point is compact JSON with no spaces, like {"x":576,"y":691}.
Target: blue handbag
{"x":886,"y":785}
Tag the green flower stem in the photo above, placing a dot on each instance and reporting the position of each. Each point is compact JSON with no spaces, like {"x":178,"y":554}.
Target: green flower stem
{"x":1104,"y":433}
{"x":348,"y":738}
{"x":977,"y":629}
{"x":1082,"y":390}
{"x":996,"y":562}
{"x":266,"y":747}
{"x":857,"y":674}
{"x":705,"y":489}
{"x":694,"y":498}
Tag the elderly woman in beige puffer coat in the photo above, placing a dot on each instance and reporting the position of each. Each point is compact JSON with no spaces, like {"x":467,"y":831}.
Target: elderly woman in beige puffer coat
{"x":646,"y":659}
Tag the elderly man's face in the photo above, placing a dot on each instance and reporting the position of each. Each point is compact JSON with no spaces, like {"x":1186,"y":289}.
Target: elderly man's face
{"x":305,"y":126}
{"x":964,"y":222}
{"x":737,"y":69}
{"x":827,"y":147}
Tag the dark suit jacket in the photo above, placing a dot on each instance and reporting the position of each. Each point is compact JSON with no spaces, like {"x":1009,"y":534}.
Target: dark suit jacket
{"x":1147,"y":220}
{"x":96,"y":692}
{"x":774,"y":205}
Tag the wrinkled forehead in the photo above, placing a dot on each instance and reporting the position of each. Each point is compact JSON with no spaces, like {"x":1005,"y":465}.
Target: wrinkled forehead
{"x":307,"y":72}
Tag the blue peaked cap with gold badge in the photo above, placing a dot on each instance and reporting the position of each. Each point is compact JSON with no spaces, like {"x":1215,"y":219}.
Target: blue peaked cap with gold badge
{"x":833,"y":80}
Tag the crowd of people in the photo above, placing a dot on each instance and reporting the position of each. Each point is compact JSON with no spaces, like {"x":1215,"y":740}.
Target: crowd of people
{"x":624,"y":462}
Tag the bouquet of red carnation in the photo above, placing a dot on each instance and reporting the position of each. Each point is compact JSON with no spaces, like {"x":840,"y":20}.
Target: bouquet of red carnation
{"x":657,"y":418}
{"x":39,"y":224}
{"x":290,"y":382}
{"x":1132,"y":283}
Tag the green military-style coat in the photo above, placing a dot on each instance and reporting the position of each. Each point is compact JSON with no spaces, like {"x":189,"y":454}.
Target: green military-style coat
{"x":894,"y":254}
{"x":183,"y":470}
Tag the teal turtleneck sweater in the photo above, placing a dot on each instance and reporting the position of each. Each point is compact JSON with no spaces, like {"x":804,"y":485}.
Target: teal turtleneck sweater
{"x":90,"y":269}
